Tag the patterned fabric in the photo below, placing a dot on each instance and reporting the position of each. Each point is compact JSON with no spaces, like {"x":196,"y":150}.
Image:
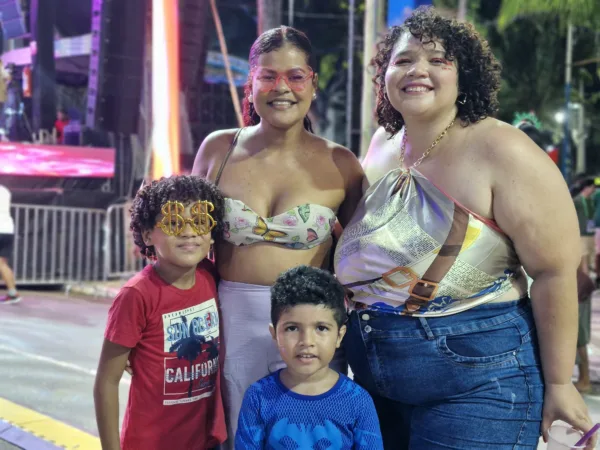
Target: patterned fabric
{"x":405,"y":232}
{"x":275,"y":418}
{"x":302,"y":227}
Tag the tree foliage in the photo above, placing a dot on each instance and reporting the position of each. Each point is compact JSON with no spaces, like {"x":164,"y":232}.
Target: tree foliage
{"x":578,"y":12}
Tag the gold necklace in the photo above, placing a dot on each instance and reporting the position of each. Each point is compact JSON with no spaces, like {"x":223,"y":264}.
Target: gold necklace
{"x":427,"y":152}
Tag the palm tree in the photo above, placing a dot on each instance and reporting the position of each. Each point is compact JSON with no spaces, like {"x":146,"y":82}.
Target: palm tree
{"x":584,"y":13}
{"x":578,"y":12}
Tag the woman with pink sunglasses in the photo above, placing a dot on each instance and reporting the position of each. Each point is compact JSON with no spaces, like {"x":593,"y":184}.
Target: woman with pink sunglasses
{"x":284,"y":187}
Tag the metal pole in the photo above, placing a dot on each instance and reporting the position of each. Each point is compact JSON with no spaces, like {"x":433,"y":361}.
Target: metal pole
{"x":291,"y":13}
{"x":270,"y":14}
{"x":461,"y":16}
{"x":232,"y":88}
{"x":581,"y":156}
{"x":565,"y":157}
{"x":373,"y":13}
{"x":350,"y":82}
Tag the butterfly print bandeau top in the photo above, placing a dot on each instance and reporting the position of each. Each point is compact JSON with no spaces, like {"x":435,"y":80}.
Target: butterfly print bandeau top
{"x":302,"y":227}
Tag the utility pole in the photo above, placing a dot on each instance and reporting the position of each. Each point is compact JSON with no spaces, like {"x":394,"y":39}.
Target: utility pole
{"x":581,"y":153}
{"x":269,"y":14}
{"x":350,"y":80}
{"x":374,"y":19}
{"x":290,"y":13}
{"x":461,"y":15}
{"x":565,"y":154}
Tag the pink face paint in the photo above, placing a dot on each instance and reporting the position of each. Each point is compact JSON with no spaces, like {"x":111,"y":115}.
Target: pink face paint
{"x":447,"y":64}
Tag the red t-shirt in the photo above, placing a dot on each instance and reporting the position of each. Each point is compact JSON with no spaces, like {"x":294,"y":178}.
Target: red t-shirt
{"x":174,"y":399}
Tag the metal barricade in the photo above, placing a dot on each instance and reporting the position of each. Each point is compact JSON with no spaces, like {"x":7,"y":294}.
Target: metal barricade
{"x":57,"y":245}
{"x":121,"y":258}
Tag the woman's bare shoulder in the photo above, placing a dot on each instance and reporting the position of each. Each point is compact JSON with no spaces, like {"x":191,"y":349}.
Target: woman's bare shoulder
{"x":212,"y":150}
{"x":504,"y":145}
{"x":344,"y":159}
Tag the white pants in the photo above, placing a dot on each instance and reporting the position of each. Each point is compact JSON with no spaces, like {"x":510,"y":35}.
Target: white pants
{"x":250,"y":351}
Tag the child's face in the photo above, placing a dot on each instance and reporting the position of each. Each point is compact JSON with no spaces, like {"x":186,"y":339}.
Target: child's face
{"x":185,"y":250}
{"x":307,"y":337}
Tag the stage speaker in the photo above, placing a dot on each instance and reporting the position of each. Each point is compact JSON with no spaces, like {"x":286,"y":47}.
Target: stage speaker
{"x":116,"y":65}
{"x":12,"y":19}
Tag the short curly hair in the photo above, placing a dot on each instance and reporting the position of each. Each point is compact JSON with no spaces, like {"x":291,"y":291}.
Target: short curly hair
{"x":184,"y":188}
{"x":306,"y":285}
{"x":478,"y":68}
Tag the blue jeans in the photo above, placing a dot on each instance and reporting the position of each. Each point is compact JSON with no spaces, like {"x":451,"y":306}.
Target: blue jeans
{"x":467,"y":381}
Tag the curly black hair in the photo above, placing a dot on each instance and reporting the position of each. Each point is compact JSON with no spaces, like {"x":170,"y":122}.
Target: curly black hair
{"x":267,"y":42}
{"x":306,"y":285}
{"x":184,"y":188}
{"x":478,"y":68}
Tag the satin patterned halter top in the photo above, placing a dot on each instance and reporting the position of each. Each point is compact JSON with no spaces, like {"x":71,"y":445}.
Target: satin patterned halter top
{"x":412,"y":249}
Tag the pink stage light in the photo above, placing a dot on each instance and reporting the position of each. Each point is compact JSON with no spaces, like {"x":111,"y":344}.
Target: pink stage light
{"x":56,"y":160}
{"x":165,"y":88}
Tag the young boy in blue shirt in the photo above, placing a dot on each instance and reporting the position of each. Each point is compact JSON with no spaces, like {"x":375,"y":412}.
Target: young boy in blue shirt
{"x":307,"y":405}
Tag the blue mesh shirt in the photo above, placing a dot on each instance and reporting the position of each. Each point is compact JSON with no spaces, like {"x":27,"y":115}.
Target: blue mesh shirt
{"x":274,"y":418}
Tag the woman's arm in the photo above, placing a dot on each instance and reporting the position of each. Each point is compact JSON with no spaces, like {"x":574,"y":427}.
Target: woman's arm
{"x":354,"y":177}
{"x":210,"y":151}
{"x":382,"y":156}
{"x":532,"y":205}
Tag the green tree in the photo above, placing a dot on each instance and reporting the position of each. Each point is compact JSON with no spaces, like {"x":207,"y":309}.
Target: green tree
{"x":532,"y":66}
{"x":579,"y":12}
{"x":584,"y":15}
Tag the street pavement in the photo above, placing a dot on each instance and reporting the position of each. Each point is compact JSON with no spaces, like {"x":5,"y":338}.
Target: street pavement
{"x":49,"y":347}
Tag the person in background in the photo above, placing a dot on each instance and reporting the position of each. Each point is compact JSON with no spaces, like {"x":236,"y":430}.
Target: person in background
{"x":3,"y":93}
{"x":585,"y":288}
{"x":597,"y":232}
{"x":7,"y":237}
{"x":584,"y":205}
{"x":62,"y":119}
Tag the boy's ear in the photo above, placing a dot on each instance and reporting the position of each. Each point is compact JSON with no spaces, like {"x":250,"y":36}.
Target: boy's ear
{"x":341,"y":334}
{"x":272,"y":331}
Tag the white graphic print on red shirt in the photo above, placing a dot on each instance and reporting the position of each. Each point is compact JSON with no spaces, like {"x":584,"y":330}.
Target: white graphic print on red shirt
{"x":193,"y":334}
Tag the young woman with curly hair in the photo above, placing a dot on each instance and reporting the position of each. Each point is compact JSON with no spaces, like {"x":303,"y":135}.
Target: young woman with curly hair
{"x":284,"y":189}
{"x":442,"y":332}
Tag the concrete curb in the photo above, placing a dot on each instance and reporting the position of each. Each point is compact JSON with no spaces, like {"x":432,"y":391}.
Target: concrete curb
{"x":93,"y":290}
{"x":13,"y":437}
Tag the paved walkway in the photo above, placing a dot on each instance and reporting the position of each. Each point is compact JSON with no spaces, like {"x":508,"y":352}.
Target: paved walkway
{"x":49,"y":347}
